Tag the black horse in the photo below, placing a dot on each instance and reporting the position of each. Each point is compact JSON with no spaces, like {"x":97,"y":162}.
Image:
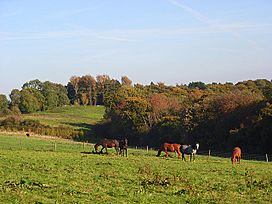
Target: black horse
{"x":190,"y":150}
{"x":123,"y":146}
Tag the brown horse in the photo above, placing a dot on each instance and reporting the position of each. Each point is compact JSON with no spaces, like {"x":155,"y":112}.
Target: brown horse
{"x":171,"y":148}
{"x":236,"y":155}
{"x":107,"y":143}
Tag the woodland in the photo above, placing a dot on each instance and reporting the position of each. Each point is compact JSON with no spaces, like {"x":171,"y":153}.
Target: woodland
{"x":218,"y":116}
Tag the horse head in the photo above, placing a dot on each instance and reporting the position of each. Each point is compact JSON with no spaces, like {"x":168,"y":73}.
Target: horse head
{"x":96,"y":146}
{"x":195,"y":148}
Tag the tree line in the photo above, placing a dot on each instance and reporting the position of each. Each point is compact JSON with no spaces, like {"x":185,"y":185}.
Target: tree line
{"x":218,"y":116}
{"x":41,"y":96}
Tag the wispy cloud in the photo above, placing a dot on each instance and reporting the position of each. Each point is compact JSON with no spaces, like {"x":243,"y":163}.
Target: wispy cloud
{"x":10,"y":36}
{"x":130,"y":35}
{"x":212,"y":23}
{"x":69,"y":13}
{"x":9,"y":14}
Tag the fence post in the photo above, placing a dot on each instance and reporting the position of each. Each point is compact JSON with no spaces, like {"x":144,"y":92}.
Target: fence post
{"x":209,"y":154}
{"x":266,"y":157}
{"x":55,"y":146}
{"x":21,"y":144}
{"x":147,"y":148}
{"x":136,"y":147}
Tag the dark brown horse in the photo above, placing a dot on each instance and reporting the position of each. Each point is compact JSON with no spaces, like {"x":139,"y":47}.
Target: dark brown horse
{"x":123,"y":146}
{"x":107,"y":143}
{"x":171,"y":148}
{"x":236,"y":155}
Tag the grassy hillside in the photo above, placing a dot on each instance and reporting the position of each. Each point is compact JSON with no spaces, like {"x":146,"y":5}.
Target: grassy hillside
{"x":73,"y":122}
{"x":74,"y":116}
{"x":35,"y":170}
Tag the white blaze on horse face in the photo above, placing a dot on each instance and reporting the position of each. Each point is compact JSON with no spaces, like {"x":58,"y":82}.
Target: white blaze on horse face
{"x":197,"y":146}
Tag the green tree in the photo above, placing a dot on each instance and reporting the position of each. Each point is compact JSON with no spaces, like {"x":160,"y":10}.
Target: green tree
{"x":4,"y":105}
{"x":198,"y":84}
{"x":15,"y":97}
{"x":28,"y":101}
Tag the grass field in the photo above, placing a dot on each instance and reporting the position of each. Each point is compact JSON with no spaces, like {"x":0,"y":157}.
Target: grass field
{"x":38,"y":170}
{"x":79,"y":117}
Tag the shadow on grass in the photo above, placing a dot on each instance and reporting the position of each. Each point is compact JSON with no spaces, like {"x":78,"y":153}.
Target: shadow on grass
{"x":89,"y":133}
{"x":93,"y":152}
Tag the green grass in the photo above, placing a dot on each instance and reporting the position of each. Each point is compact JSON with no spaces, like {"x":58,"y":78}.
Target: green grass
{"x":33,"y":171}
{"x":79,"y":117}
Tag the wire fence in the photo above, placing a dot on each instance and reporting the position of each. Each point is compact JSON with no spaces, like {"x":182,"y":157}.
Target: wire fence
{"x":245,"y":156}
{"x":210,"y":153}
{"x":24,"y":143}
{"x":45,"y":145}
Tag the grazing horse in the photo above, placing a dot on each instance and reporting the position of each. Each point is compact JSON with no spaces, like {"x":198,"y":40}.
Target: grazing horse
{"x":123,"y":146}
{"x":189,"y":149}
{"x":169,"y":147}
{"x":236,"y":155}
{"x":107,"y":143}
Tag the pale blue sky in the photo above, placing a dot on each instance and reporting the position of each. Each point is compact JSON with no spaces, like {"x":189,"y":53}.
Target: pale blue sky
{"x":171,"y":41}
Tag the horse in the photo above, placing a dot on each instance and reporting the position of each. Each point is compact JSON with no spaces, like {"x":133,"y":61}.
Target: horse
{"x":236,"y":155}
{"x":189,"y":149}
{"x":123,"y":146}
{"x":169,"y":147}
{"x":107,"y":143}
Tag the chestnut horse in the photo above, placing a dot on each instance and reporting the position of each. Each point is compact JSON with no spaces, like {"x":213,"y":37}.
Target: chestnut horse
{"x":107,"y":143}
{"x":236,"y":155}
{"x":171,"y":148}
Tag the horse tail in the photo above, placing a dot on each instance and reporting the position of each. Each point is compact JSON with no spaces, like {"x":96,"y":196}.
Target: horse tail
{"x":159,"y":152}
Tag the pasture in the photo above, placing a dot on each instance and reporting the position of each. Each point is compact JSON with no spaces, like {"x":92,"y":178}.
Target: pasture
{"x":79,"y":117}
{"x":34,"y":170}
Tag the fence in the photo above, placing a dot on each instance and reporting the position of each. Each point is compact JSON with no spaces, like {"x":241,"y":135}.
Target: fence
{"x":23,"y":143}
{"x":44,"y":145}
{"x":245,"y":156}
{"x":209,"y":153}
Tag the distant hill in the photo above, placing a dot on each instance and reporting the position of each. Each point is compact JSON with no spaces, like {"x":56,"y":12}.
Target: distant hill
{"x":62,"y":119}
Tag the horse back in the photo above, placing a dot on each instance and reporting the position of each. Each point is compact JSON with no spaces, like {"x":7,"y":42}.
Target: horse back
{"x":110,"y":143}
{"x":236,"y":152}
{"x":171,"y":147}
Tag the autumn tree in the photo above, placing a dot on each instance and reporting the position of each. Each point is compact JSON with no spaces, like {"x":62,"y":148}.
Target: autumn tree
{"x":126,"y":81}
{"x":72,"y":89}
{"x":102,"y":82}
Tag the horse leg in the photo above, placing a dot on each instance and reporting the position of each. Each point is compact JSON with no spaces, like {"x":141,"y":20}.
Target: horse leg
{"x":126,"y":152}
{"x":183,"y":156}
{"x":166,"y":153}
{"x":117,"y":150}
{"x":159,"y":152}
{"x":106,"y":150}
{"x":193,"y":157}
{"x":179,"y":154}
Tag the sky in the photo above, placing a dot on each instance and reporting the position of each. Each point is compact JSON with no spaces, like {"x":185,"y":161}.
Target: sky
{"x":170,"y":41}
